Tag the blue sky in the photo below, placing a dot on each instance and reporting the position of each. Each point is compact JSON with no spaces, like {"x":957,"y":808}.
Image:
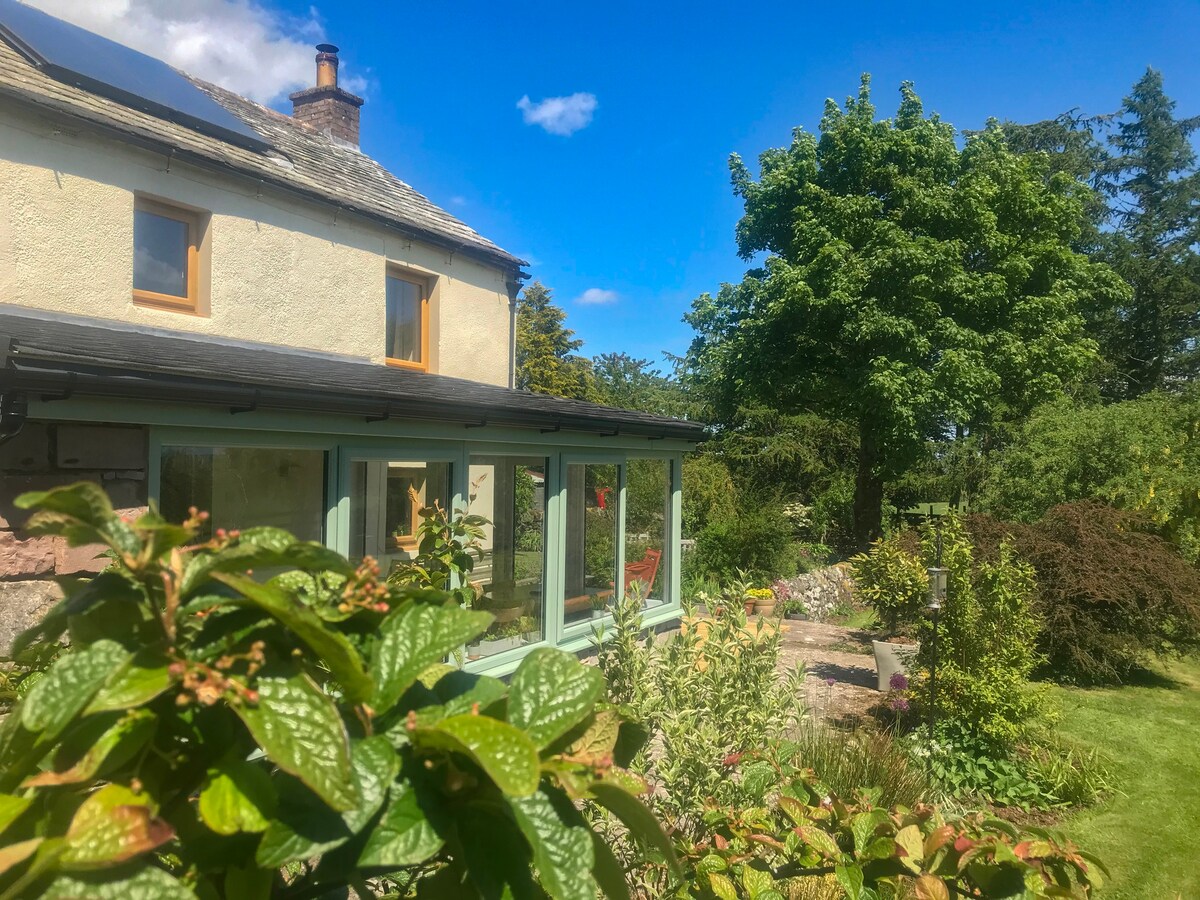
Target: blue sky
{"x":635,"y":206}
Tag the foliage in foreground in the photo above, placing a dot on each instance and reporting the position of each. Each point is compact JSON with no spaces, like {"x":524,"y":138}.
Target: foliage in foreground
{"x":212,"y":734}
{"x":806,"y":830}
{"x":1112,"y":594}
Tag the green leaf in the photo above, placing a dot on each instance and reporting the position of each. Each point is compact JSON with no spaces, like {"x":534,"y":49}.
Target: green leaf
{"x":68,"y":687}
{"x":551,"y":693}
{"x":237,"y":796}
{"x":597,"y":741}
{"x":299,"y":728}
{"x":111,"y":826}
{"x":304,"y":828}
{"x":10,"y":808}
{"x":81,"y":513}
{"x":863,"y":827}
{"x":722,"y":886}
{"x":607,"y":871}
{"x":638,"y":819}
{"x":414,"y":637}
{"x":561,"y":843}
{"x":405,"y":835}
{"x":144,"y":883}
{"x":496,"y":858}
{"x":930,"y":887}
{"x":142,"y":678}
{"x":851,"y":880}
{"x":820,"y":841}
{"x":114,"y":746}
{"x":913,"y":844}
{"x":506,"y":754}
{"x":330,"y":646}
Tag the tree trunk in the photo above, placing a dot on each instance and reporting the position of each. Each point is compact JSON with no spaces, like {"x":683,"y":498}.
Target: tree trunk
{"x":868,"y":491}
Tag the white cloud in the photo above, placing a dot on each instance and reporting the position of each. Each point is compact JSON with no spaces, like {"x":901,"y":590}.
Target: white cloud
{"x":559,"y":115}
{"x":597,"y":297}
{"x":242,"y":45}
{"x":458,"y":200}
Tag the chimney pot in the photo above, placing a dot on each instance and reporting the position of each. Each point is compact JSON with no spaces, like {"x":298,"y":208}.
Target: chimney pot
{"x":327,"y":65}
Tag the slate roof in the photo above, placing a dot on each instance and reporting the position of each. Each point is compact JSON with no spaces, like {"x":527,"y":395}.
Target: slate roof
{"x":302,"y":161}
{"x":56,"y":355}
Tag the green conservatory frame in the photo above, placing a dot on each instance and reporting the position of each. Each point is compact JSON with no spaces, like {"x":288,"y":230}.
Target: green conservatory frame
{"x":345,"y":439}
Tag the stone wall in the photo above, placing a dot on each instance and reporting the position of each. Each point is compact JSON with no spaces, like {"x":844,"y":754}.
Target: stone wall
{"x":41,"y":456}
{"x":823,"y":589}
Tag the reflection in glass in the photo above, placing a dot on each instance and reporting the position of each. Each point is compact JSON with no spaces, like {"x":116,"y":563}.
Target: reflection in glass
{"x":591,"y":568}
{"x":160,"y":254}
{"x":386,"y":498}
{"x":647,"y":505}
{"x":404,"y":320}
{"x":510,"y":492}
{"x":242,"y":487}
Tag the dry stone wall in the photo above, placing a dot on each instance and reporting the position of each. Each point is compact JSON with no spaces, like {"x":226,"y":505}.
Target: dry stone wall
{"x":822,"y":590}
{"x":45,"y":455}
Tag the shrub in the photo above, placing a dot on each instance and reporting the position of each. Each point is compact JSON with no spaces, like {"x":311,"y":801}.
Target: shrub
{"x":986,"y":640}
{"x":217,"y":733}
{"x":758,"y":541}
{"x":893,"y":582}
{"x":708,"y":692}
{"x":1111,"y":593}
{"x":1139,"y":455}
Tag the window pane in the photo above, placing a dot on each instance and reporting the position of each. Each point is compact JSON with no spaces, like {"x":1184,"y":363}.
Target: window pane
{"x":591,"y":541}
{"x":242,"y":487}
{"x":403,"y":320}
{"x":385,"y":499}
{"x":647,"y":506}
{"x":510,"y":492}
{"x":160,"y":254}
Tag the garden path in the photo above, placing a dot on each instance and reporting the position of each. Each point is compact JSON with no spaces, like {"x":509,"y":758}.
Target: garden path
{"x":839,"y":667}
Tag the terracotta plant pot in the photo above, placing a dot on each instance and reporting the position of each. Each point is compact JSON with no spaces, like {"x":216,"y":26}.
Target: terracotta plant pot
{"x":505,"y":614}
{"x":892,"y":658}
{"x":765,"y":607}
{"x":749,"y":606}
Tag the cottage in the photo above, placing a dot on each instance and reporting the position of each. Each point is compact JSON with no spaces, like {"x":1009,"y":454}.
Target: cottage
{"x":204,"y":301}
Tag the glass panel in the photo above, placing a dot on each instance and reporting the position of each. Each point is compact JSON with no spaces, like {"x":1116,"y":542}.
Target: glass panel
{"x":647,"y":506}
{"x":160,"y":254}
{"x":403,"y":320}
{"x":242,"y":487}
{"x":510,"y":492}
{"x":591,"y":541}
{"x":385,"y":497}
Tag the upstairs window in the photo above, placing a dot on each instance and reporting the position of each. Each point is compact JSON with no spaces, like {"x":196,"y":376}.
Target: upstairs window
{"x":165,"y":255}
{"x":407,"y":322}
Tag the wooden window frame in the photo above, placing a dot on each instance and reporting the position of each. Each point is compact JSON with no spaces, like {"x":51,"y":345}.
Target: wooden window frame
{"x":191,"y":218}
{"x":422,"y":285}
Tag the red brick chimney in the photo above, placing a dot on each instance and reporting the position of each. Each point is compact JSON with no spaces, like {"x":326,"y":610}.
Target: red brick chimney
{"x":327,"y":107}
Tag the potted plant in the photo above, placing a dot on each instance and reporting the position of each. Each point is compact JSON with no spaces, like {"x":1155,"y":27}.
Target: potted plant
{"x":599,"y":604}
{"x":895,"y":584}
{"x":498,"y":639}
{"x":531,"y":629}
{"x":794,"y":609}
{"x":764,"y":601}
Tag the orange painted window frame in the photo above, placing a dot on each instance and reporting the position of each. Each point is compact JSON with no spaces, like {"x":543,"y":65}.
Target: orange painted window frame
{"x":190,"y":303}
{"x":423,"y":286}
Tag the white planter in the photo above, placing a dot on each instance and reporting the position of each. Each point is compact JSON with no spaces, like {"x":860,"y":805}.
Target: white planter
{"x":599,"y":614}
{"x":892,"y":658}
{"x":494,"y":646}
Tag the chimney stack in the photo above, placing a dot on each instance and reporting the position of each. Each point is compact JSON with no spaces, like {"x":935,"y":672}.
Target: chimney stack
{"x":327,"y":107}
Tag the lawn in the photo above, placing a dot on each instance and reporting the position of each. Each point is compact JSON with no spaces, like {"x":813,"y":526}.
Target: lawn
{"x":1147,"y":835}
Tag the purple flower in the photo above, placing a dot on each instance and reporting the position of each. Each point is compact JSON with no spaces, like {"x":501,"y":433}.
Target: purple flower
{"x":898,"y":682}
{"x":829,"y":682}
{"x":899,"y":704}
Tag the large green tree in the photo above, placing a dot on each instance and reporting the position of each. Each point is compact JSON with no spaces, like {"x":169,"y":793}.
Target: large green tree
{"x":627,"y":382}
{"x":1156,"y":188}
{"x":910,"y":287}
{"x":547,"y":358}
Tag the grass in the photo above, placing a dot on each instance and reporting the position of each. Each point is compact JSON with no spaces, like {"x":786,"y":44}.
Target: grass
{"x":1147,"y":833}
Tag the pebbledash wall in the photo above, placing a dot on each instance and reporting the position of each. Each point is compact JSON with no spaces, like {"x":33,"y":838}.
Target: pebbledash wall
{"x":274,"y":269}
{"x":44,"y":456}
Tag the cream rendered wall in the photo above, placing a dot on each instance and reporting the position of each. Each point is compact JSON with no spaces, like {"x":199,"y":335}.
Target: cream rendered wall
{"x":278,"y":270}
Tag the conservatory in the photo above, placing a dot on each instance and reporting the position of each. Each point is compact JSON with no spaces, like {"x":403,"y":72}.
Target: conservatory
{"x":582,"y":501}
